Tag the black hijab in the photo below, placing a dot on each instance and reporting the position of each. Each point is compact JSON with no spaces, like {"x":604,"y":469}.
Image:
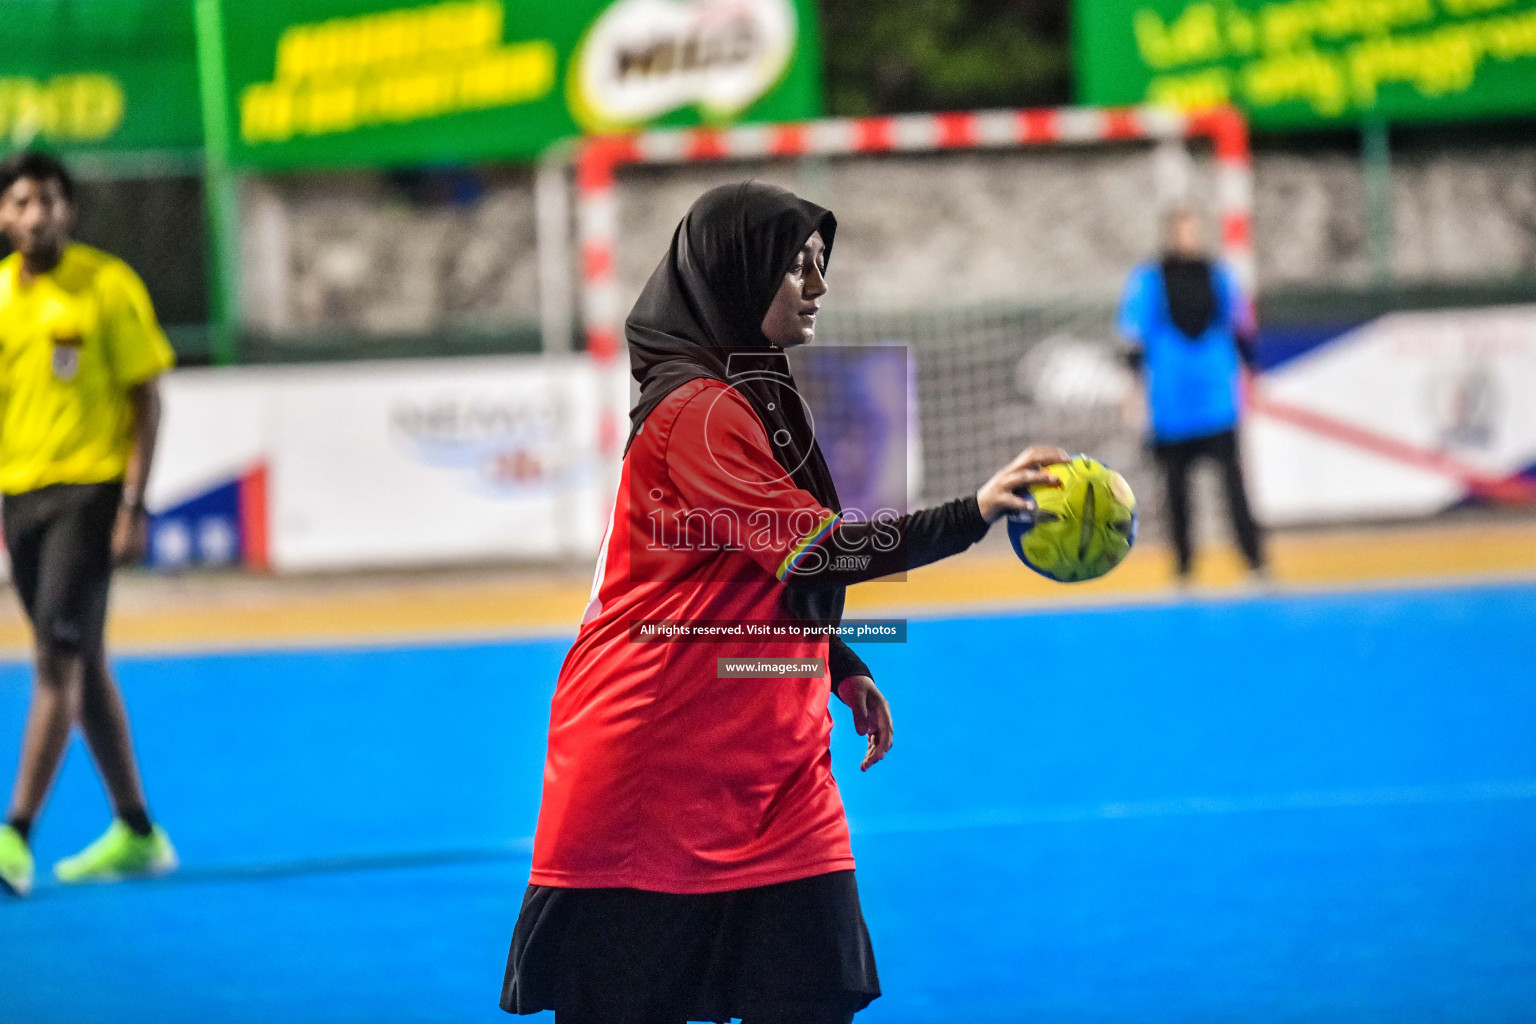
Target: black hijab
{"x":1191,"y":294}
{"x":701,"y":314}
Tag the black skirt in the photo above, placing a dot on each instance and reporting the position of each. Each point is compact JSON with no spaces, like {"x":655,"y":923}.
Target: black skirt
{"x":630,"y":955}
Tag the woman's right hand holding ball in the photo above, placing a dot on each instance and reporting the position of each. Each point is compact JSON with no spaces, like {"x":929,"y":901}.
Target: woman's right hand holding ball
{"x":1001,"y":494}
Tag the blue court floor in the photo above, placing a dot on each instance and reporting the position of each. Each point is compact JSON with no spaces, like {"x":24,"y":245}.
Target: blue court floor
{"x":1289,"y":808}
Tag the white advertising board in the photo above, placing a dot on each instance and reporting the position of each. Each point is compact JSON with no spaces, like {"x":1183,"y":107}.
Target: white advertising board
{"x":213,"y":428}
{"x":399,"y":463}
{"x":435,"y":462}
{"x":459,"y":460}
{"x":1402,"y":417}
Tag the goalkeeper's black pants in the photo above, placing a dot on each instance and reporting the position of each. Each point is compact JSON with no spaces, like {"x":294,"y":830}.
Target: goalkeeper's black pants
{"x":1177,"y":458}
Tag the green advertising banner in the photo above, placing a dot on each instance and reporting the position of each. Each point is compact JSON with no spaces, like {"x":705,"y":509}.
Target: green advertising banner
{"x":374,"y":82}
{"x":110,"y":75}
{"x":1297,"y":63}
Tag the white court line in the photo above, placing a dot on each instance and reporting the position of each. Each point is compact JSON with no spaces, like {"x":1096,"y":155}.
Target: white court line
{"x":1183,"y":807}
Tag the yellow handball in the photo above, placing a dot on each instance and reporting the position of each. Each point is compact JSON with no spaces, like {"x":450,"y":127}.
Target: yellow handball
{"x":1080,"y":530}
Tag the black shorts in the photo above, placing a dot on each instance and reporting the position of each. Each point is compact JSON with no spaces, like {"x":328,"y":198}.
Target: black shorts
{"x":623,"y":956}
{"x":60,"y":541}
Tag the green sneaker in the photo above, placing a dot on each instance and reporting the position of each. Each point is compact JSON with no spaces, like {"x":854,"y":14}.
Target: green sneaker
{"x":15,"y":863}
{"x":119,"y":854}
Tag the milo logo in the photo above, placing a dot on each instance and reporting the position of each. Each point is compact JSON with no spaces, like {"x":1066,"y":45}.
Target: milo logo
{"x":644,"y":58}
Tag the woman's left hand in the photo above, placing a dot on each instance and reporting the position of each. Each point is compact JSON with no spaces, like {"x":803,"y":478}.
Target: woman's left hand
{"x":871,"y":717}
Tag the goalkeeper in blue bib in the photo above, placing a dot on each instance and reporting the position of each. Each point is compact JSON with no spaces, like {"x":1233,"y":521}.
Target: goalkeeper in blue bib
{"x":1190,"y":327}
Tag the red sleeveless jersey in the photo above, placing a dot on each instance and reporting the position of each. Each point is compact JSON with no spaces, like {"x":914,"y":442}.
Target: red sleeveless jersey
{"x":661,"y":776}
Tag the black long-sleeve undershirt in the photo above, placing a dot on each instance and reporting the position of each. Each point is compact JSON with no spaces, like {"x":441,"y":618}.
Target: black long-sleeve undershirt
{"x":856,"y":552}
{"x":843,"y":663}
{"x":921,"y":538}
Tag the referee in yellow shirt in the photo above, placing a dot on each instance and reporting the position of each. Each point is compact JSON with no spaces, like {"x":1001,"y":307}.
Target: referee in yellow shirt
{"x":80,"y":355}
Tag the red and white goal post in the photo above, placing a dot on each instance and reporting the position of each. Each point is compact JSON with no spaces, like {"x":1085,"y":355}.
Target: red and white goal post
{"x":599,"y":158}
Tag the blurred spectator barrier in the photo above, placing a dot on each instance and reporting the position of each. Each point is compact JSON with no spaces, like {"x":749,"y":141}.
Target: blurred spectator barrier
{"x":384,"y":464}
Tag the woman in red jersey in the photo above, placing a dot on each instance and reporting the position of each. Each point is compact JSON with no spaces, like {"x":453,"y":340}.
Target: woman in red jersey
{"x":692,"y":859}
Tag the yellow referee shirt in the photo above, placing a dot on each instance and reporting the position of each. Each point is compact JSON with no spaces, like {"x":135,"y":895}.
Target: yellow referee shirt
{"x":72,"y":343}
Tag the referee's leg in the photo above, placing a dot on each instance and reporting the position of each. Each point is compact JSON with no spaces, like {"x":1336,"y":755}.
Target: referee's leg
{"x":29,"y":526}
{"x":55,"y":697}
{"x":60,"y":543}
{"x":104,"y":723}
{"x":103,"y":718}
